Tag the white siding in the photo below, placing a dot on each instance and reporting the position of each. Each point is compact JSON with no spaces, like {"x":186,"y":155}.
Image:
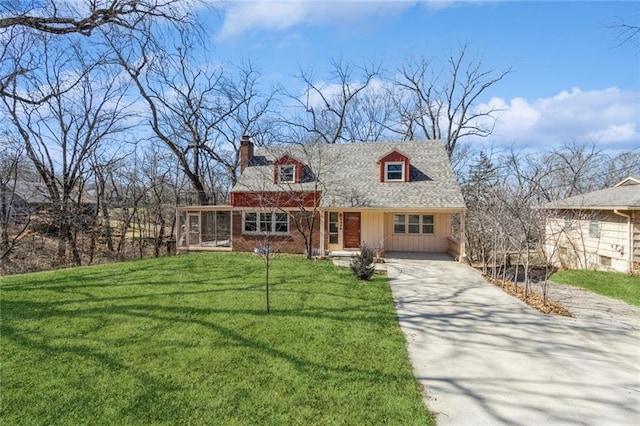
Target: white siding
{"x":577,"y":249}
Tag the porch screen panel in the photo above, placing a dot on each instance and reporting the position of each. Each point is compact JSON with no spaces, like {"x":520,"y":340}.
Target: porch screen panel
{"x":182,"y":229}
{"x":223,"y":229}
{"x":208,"y":229}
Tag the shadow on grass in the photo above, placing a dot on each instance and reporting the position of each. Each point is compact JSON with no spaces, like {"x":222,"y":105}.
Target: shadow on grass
{"x":103,"y":314}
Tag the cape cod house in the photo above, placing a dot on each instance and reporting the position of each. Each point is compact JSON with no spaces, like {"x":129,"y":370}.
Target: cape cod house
{"x":597,"y":230}
{"x":393,"y":196}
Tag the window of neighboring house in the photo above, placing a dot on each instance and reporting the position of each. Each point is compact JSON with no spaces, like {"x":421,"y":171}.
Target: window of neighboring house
{"x":568,"y":224}
{"x":394,"y":172}
{"x":605,"y":261}
{"x":594,"y":229}
{"x":286,"y":174}
{"x":276,"y":223}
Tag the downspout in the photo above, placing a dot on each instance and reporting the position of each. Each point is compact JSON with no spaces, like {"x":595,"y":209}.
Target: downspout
{"x":463,"y":238}
{"x":630,"y":242}
{"x":322,"y":233}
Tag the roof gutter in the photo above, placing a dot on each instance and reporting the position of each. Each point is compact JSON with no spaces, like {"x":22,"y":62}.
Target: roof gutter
{"x":630,"y":236}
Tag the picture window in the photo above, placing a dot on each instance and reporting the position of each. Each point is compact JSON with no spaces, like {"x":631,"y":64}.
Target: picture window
{"x":413,"y":224}
{"x":275,"y":223}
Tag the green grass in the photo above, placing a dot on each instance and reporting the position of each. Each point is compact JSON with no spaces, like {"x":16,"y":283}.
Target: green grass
{"x":187,"y":340}
{"x":613,"y":284}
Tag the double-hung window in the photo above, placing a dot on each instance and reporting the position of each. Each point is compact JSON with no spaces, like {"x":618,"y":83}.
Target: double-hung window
{"x":251,"y":222}
{"x":394,"y":172}
{"x":287,"y":174}
{"x":413,"y":224}
{"x":427,"y":224}
{"x":281,"y":223}
{"x":399,"y":224}
{"x":273,"y":223}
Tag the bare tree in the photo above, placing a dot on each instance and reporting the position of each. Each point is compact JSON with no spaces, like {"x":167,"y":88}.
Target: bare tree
{"x":627,"y":31}
{"x":82,"y":17}
{"x":191,"y":106}
{"x":321,"y":111}
{"x":29,"y":27}
{"x":61,"y":134}
{"x":14,"y":218}
{"x":436,"y":106}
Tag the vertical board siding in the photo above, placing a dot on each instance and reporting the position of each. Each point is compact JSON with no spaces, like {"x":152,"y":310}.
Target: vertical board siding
{"x":372,"y":229}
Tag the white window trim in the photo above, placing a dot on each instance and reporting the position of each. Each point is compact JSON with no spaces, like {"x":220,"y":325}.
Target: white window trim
{"x":421,"y":224}
{"x":386,"y":171}
{"x":293,"y":173}
{"x":259,"y":231}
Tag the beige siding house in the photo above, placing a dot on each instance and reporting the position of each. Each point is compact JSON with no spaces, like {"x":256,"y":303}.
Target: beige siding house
{"x":597,"y":230}
{"x":391,"y":196}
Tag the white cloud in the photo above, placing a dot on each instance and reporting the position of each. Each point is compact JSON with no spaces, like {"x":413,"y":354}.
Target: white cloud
{"x":279,"y":15}
{"x":608,"y":117}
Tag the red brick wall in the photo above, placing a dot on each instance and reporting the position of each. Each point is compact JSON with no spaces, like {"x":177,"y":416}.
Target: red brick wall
{"x":274,"y":199}
{"x":292,"y":243}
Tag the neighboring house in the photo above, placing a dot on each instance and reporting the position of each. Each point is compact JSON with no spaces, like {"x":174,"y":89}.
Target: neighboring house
{"x":597,"y":230}
{"x":22,"y":199}
{"x":396,"y":196}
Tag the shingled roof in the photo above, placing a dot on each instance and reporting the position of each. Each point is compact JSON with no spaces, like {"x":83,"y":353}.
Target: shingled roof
{"x":626,"y":197}
{"x":349,"y":175}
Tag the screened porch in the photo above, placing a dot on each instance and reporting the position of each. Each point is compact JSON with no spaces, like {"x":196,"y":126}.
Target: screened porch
{"x":203,"y":228}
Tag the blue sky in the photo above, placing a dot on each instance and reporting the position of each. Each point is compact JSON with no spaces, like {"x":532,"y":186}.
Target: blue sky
{"x":570,"y":81}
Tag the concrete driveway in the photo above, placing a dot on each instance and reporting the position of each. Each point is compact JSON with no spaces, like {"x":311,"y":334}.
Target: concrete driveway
{"x":485,"y":358}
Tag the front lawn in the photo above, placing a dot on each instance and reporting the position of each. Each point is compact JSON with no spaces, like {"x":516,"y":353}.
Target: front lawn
{"x":187,"y":340}
{"x":613,"y":284}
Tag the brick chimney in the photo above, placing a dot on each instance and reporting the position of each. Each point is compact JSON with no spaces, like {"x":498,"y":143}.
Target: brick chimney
{"x":246,"y":152}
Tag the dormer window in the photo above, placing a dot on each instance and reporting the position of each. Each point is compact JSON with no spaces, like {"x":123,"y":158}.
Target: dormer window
{"x":394,"y":167}
{"x":394,"y":172}
{"x":287,"y":174}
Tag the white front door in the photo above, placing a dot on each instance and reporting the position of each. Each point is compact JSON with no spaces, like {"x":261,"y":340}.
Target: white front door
{"x":334,"y":230}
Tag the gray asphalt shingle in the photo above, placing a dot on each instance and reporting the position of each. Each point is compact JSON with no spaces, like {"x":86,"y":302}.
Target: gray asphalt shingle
{"x":349,"y":175}
{"x":620,"y":197}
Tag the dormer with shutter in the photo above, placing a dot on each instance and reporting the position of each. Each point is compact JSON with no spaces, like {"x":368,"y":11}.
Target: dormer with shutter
{"x":395,"y":167}
{"x":287,"y":170}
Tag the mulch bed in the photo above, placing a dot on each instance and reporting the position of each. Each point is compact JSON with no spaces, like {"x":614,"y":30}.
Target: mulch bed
{"x":533,"y":299}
